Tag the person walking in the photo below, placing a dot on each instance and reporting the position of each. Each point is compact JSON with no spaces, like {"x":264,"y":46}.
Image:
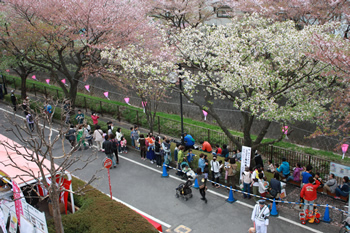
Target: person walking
{"x":14,"y":100}
{"x":115,"y":146}
{"x":202,"y":183}
{"x":143,"y":149}
{"x":108,"y":148}
{"x":98,"y":137}
{"x":215,"y":171}
{"x":30,"y":121}
{"x":260,"y":217}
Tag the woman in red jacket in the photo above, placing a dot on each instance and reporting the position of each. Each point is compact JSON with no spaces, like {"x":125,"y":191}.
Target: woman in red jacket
{"x":94,"y":118}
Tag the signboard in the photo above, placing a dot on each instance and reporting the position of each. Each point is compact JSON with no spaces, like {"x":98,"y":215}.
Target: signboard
{"x":107,"y":163}
{"x":245,"y":159}
{"x":13,"y":223}
{"x":2,"y":222}
{"x":339,"y":170}
{"x":36,"y":217}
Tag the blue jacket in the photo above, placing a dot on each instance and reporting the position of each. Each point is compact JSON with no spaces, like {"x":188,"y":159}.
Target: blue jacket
{"x":201,"y":164}
{"x":284,"y":168}
{"x":189,"y":140}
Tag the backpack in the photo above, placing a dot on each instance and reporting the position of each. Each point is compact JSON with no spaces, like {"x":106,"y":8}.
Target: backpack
{"x":30,"y":118}
{"x":114,"y":145}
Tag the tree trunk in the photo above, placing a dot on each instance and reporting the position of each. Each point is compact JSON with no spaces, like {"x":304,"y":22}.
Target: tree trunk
{"x":57,"y":218}
{"x":23,"y":86}
{"x":247,"y":125}
{"x":73,"y":92}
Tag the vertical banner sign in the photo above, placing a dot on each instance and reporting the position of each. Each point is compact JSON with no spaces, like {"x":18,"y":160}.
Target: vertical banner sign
{"x":18,"y":202}
{"x":245,"y":160}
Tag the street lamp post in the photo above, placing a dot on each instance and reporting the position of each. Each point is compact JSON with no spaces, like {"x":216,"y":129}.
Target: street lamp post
{"x":173,"y":78}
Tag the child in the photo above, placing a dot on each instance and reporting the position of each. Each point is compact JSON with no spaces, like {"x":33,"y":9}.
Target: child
{"x":123,"y":145}
{"x":218,"y":150}
{"x":317,"y":177}
{"x":190,"y":157}
{"x":270,"y":168}
{"x":263,"y":185}
{"x":226,"y":166}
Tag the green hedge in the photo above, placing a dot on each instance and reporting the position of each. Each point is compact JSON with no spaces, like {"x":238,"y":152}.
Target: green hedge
{"x":98,"y":213}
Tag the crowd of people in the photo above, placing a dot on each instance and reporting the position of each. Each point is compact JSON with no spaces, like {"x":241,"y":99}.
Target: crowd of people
{"x":252,"y":180}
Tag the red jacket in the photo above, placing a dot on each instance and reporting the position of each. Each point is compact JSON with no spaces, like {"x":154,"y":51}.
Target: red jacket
{"x":309,"y":191}
{"x":94,"y":119}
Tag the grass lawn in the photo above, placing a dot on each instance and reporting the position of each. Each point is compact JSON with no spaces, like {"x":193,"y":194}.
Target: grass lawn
{"x":98,"y":213}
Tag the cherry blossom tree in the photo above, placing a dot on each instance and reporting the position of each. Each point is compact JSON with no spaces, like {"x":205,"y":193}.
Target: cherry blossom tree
{"x":182,"y":13}
{"x":332,"y":48}
{"x":141,"y":69}
{"x":261,"y":67}
{"x":65,"y":38}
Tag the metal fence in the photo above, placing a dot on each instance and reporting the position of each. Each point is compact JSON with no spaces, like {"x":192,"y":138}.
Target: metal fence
{"x":172,"y":127}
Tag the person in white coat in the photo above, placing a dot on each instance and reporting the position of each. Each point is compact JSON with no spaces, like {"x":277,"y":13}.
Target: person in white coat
{"x":260,"y":217}
{"x":98,"y":137}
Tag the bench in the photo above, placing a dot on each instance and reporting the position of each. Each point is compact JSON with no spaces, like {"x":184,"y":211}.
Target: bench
{"x":319,"y":190}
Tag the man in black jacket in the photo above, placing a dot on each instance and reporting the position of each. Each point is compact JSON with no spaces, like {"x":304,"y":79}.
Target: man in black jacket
{"x":108,"y":147}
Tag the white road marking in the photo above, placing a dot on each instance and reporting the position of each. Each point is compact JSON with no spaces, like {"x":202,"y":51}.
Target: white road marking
{"x":225,"y":197}
{"x":47,"y":127}
{"x":141,"y":212}
{"x":176,"y":178}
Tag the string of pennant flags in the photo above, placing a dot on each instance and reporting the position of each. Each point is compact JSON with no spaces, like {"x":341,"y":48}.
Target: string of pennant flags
{"x":205,"y":113}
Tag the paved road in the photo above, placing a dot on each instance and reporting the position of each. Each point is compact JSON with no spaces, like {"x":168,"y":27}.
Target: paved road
{"x":139,"y":184}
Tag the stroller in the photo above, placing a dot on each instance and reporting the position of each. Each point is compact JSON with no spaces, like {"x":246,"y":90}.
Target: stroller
{"x":184,"y":190}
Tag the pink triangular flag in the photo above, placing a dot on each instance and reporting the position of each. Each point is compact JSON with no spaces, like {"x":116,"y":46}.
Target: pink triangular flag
{"x":127,"y":100}
{"x":48,"y":81}
{"x":285,"y":130}
{"x":34,"y":77}
{"x":64,"y":82}
{"x":7,"y":70}
{"x":205,"y":114}
{"x":87,"y":87}
{"x":144,"y":106}
{"x":106,"y":94}
{"x":344,"y":148}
